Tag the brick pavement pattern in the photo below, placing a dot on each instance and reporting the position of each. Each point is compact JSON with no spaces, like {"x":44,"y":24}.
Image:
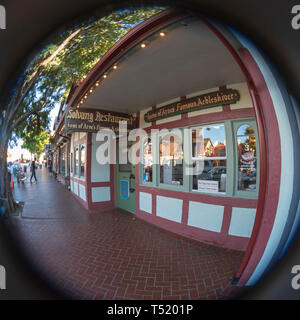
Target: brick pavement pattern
{"x":113,"y":255}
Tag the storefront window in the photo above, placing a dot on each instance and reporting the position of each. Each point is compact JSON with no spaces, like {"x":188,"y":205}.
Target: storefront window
{"x":171,"y":160}
{"x":76,"y":167}
{"x":54,"y":163}
{"x":247,"y":162}
{"x":204,"y":165}
{"x":82,"y":160}
{"x":71,"y":162}
{"x":147,"y":160}
{"x":62,"y":162}
{"x":209,"y":158}
{"x":124,"y":153}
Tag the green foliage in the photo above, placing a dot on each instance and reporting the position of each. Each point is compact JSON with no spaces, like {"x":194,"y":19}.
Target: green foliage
{"x":81,"y":54}
{"x":72,"y":63}
{"x":34,"y":141}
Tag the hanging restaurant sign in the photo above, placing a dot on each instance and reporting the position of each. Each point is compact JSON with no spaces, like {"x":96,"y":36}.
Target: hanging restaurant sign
{"x":93,"y":120}
{"x":207,"y":100}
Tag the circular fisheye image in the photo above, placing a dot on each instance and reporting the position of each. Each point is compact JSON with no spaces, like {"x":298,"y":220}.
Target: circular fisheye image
{"x":148,"y":154}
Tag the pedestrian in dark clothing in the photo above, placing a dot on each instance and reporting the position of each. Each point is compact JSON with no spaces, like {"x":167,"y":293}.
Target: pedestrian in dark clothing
{"x":33,"y":167}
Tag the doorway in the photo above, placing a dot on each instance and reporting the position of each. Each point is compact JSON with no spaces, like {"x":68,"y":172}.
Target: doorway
{"x":125,"y":185}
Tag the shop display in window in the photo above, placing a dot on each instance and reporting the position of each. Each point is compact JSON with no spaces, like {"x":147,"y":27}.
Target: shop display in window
{"x":171,"y":160}
{"x":147,"y":160}
{"x":209,"y":158}
{"x":82,"y":160}
{"x":76,"y":167}
{"x":62,"y":161}
{"x":247,"y":162}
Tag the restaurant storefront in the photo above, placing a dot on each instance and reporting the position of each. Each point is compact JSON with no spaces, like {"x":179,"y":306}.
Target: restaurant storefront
{"x":201,"y":126}
{"x":220,"y":180}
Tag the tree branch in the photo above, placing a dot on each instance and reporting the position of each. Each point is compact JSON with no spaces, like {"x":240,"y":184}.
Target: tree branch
{"x":19,"y":96}
{"x":61,"y":46}
{"x":24,"y":116}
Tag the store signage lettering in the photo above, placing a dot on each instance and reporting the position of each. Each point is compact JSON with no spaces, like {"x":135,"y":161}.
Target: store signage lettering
{"x":208,"y":100}
{"x":208,"y":186}
{"x":88,"y":120}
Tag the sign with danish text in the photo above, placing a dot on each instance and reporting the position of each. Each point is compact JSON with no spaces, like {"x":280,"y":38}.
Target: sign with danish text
{"x":207,"y":100}
{"x":93,"y":120}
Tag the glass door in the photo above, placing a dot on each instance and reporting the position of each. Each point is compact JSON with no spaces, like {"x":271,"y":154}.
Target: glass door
{"x":125,"y":185}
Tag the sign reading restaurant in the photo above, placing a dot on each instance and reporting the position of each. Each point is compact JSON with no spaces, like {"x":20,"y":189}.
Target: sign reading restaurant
{"x":207,"y":100}
{"x":93,"y":120}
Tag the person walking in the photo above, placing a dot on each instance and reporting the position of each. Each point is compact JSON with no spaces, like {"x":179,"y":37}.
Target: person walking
{"x":33,"y":168}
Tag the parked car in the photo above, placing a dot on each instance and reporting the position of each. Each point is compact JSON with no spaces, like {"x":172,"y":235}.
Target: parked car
{"x":216,"y":172}
{"x":212,"y":174}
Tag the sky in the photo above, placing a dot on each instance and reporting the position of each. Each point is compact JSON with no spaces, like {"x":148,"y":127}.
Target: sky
{"x":53,"y":114}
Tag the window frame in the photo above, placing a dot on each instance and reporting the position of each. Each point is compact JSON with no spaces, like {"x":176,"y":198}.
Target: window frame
{"x":245,"y":193}
{"x":71,"y":163}
{"x":154,"y":166}
{"x":185,"y":178}
{"x":230,"y":127}
{"x":207,"y":158}
{"x":63,"y":158}
{"x":76,"y":168}
{"x":80,"y":153}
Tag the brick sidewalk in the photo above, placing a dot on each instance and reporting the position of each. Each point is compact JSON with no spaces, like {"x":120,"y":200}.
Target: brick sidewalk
{"x":114,"y":255}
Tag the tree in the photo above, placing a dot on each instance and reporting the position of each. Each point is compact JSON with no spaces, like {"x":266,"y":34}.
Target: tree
{"x":35,"y":143}
{"x":48,"y":78}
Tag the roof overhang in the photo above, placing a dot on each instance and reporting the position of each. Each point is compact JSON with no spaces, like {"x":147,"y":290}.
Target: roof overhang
{"x":189,"y":58}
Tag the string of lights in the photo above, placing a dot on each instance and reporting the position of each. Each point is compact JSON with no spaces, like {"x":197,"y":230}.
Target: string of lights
{"x":105,"y":75}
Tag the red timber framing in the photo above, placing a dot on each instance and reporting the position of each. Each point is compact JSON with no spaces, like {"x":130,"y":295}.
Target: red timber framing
{"x":222,"y":238}
{"x":87,"y":182}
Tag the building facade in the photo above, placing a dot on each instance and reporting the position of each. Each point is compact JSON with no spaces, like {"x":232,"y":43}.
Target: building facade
{"x":209,"y":137}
